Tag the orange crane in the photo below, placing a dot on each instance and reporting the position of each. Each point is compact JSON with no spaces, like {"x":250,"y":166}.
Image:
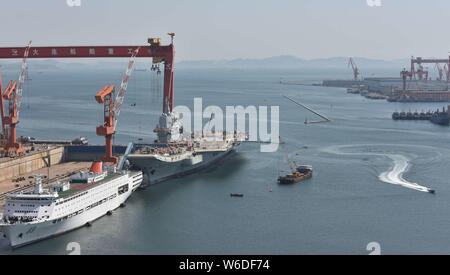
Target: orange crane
{"x":355,"y":69}
{"x":112,"y":104}
{"x":108,"y":129}
{"x":12,"y":147}
{"x":10,"y":115}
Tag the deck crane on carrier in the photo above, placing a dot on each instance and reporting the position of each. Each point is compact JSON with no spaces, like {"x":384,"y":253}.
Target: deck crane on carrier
{"x":10,"y":115}
{"x":112,"y":104}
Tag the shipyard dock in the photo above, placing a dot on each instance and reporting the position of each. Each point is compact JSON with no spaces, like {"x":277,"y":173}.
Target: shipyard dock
{"x":420,"y":96}
{"x":391,"y":88}
{"x":414,"y":85}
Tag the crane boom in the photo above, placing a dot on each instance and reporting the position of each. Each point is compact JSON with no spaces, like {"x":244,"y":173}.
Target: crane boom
{"x":355,"y":69}
{"x":111,"y":109}
{"x":118,"y":102}
{"x":291,"y":164}
{"x":22,"y":77}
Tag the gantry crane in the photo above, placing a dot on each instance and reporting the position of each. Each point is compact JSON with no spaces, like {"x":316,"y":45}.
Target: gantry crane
{"x":161,"y":54}
{"x":447,"y":73}
{"x":10,"y":115}
{"x":440,"y":72}
{"x":112,"y":104}
{"x":420,"y":61}
{"x":422,"y":73}
{"x":355,"y":69}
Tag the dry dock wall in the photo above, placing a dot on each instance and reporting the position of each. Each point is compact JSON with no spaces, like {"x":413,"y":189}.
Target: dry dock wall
{"x":14,"y":168}
{"x":89,"y":153}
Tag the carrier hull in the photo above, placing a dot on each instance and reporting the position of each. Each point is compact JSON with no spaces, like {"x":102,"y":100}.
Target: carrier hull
{"x":157,"y":170}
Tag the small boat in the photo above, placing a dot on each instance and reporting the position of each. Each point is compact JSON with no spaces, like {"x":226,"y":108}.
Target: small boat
{"x":353,"y":90}
{"x":375,"y":96}
{"x":302,"y":173}
{"x":237,"y":195}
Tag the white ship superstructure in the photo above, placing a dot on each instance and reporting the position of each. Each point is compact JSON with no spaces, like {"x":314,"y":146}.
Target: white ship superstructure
{"x":64,"y":206}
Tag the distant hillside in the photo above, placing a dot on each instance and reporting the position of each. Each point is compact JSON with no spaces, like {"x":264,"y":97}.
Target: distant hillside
{"x":288,"y":61}
{"x":45,"y":65}
{"x":278,"y":62}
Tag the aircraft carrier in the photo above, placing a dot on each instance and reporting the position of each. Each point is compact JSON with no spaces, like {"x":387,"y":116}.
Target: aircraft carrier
{"x":175,"y":155}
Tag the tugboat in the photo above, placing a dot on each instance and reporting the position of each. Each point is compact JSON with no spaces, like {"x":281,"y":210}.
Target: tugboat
{"x":302,"y":173}
{"x":298,"y":174}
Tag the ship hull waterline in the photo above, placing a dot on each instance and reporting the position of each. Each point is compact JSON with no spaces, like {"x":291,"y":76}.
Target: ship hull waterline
{"x":156,"y":171}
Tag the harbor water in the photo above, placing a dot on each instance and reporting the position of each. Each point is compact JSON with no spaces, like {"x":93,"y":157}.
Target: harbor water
{"x":370,"y":171}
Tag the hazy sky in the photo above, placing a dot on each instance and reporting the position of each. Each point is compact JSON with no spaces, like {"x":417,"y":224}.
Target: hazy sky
{"x":226,"y":29}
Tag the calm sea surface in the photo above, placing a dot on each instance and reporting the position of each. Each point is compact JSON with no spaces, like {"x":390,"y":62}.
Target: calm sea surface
{"x":342,"y":209}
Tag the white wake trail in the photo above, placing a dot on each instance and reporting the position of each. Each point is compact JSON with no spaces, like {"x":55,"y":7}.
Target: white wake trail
{"x":401,"y":165}
{"x":395,"y":175}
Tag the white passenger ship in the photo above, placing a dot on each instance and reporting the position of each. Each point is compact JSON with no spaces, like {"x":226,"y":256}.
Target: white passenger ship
{"x":64,"y":206}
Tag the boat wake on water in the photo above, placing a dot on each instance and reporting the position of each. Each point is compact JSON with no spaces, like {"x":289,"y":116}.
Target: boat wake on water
{"x":401,"y":165}
{"x":395,"y":175}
